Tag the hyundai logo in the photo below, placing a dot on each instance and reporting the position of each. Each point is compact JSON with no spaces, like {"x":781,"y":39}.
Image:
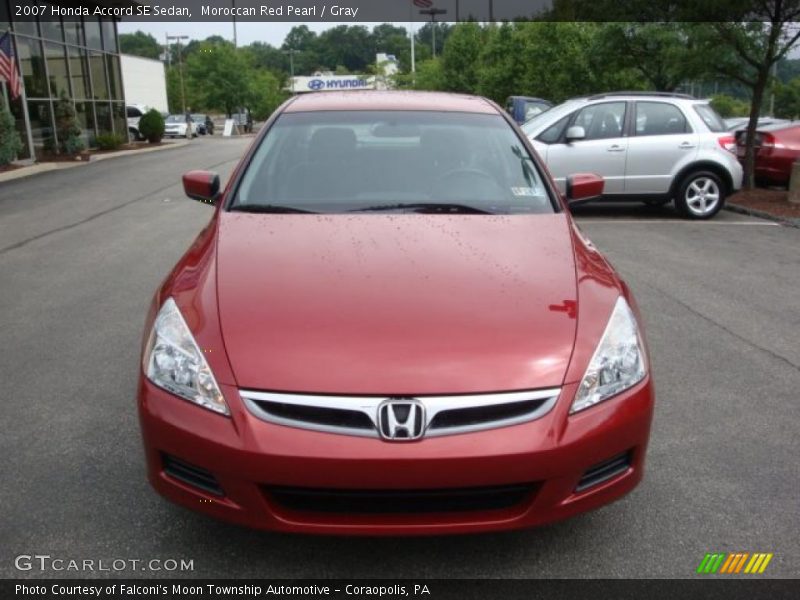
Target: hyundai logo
{"x":401,"y":420}
{"x":316,"y":84}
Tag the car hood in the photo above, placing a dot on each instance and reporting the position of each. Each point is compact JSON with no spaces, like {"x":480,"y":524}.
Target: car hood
{"x":396,"y":304}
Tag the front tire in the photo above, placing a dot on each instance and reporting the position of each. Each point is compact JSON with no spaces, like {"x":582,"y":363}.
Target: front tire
{"x":701,"y":195}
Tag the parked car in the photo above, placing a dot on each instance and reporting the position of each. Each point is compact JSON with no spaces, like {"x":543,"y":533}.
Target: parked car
{"x":777,"y":147}
{"x":244,"y":120}
{"x":653,"y":147}
{"x":524,"y":108}
{"x":133,"y":113}
{"x":177,"y":125}
{"x":204,"y":124}
{"x":740,"y":123}
{"x":417,"y":338}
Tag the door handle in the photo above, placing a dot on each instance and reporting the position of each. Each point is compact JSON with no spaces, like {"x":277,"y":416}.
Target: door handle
{"x":687,"y":146}
{"x":615,"y":148}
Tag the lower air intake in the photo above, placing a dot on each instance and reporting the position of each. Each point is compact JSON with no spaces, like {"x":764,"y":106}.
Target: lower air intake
{"x":191,"y":475}
{"x":401,"y":501}
{"x":604,"y":471}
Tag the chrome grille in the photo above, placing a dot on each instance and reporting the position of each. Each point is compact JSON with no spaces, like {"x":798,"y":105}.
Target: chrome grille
{"x":358,"y":415}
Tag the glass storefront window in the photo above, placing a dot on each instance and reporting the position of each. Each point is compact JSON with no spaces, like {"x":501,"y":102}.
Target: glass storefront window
{"x":19,"y":123}
{"x":114,"y":77}
{"x":41,"y":126}
{"x":103,"y":110}
{"x":32,"y":66}
{"x":26,"y":27}
{"x":84,"y":111}
{"x":109,"y":36}
{"x":52,"y":30}
{"x":5,"y":22}
{"x":79,"y":70}
{"x":73,"y":30}
{"x":57,"y":70}
{"x":120,"y":119}
{"x":99,"y":82}
{"x":92,"y":28}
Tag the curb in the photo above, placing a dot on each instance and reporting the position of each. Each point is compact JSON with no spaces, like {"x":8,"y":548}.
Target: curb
{"x":752,"y":212}
{"x":121,"y":153}
{"x":38,"y":168}
{"x":45,"y":167}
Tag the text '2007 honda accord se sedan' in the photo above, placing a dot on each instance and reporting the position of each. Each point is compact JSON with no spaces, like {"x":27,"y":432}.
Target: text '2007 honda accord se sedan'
{"x":391,"y":325}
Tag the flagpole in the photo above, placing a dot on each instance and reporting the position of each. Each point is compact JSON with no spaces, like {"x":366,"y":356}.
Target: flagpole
{"x":5,"y":96}
{"x":413,"y":35}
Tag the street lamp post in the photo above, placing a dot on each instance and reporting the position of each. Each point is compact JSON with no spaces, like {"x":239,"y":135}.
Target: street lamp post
{"x":432,"y":12}
{"x":291,"y":52}
{"x":178,"y":39}
{"x":235,"y":42}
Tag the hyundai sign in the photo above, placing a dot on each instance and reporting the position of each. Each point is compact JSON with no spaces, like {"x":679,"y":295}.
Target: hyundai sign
{"x":329,"y":83}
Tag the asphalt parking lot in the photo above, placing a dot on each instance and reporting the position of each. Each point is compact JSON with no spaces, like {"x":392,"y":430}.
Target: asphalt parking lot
{"x":81,"y":251}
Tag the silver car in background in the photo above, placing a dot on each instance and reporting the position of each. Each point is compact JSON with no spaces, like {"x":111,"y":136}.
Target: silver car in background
{"x":649,"y":146}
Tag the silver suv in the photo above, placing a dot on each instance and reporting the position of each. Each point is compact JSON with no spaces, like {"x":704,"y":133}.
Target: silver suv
{"x":653,"y":147}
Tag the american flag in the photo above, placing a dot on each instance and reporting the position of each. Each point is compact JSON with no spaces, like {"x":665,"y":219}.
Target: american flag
{"x":8,"y":65}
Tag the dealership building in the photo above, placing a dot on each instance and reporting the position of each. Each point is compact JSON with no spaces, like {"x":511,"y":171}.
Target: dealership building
{"x":77,"y":57}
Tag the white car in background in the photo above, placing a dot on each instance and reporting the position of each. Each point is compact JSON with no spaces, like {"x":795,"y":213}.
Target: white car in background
{"x":134,"y":112}
{"x":648,"y":146}
{"x":176,"y":126}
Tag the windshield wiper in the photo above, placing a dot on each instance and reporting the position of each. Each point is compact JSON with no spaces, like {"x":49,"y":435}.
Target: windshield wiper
{"x":444,"y":207}
{"x":269,"y":208}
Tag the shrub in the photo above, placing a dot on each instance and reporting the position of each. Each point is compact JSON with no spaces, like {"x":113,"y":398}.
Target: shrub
{"x":151,"y":126}
{"x":110,"y":141}
{"x":10,"y":142}
{"x":67,"y":128}
{"x":727,"y":106}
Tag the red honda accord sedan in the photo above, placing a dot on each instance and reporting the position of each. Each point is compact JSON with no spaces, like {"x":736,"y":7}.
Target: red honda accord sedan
{"x":391,"y":325}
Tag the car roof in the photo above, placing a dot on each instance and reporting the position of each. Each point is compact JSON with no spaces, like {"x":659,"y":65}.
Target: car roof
{"x":390,"y":100}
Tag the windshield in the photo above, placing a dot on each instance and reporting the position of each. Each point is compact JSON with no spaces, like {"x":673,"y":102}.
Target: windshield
{"x":198,"y":117}
{"x":341,"y":161}
{"x":176,"y":119}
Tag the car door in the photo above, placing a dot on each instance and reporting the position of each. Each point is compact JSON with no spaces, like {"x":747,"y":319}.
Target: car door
{"x":661,"y":142}
{"x":602,"y":151}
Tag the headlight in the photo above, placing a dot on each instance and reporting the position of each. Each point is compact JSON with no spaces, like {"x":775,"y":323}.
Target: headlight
{"x":617,"y":364}
{"x":174,"y":362}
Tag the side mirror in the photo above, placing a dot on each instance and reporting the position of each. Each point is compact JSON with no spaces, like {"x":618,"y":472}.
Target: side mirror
{"x":584,"y":186}
{"x":202,"y":186}
{"x":575,"y":133}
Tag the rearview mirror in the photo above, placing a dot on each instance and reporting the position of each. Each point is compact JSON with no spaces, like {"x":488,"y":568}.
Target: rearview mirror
{"x":202,"y":186}
{"x":584,"y":186}
{"x":574,"y":133}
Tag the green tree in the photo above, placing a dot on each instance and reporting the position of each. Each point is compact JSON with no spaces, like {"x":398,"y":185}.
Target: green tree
{"x":728,"y":106}
{"x":218,"y":76}
{"x":755,"y":41}
{"x":67,"y":128}
{"x":662,"y":53}
{"x":10,"y":142}
{"x":460,"y":57}
{"x":499,"y":70}
{"x":787,"y":99}
{"x":303,"y":43}
{"x":350,"y":46}
{"x":139,"y":44}
{"x":266,"y":93}
{"x":264,"y":56}
{"x":151,"y":126}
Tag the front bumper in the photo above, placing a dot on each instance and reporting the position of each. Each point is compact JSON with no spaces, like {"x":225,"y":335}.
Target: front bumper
{"x":249,"y":458}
